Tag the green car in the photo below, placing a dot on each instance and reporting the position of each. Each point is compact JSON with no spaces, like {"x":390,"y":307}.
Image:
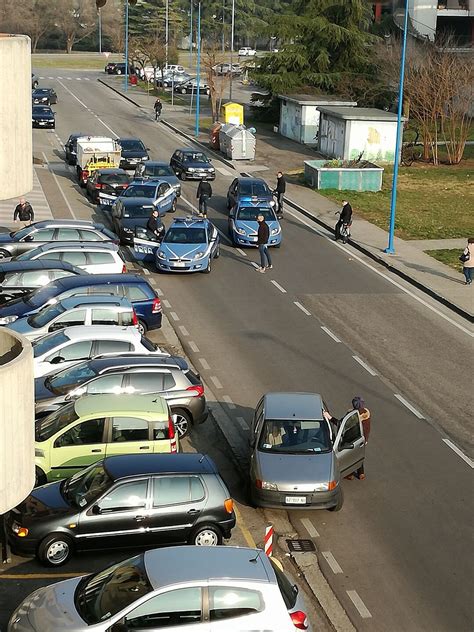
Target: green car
{"x":97,"y":426}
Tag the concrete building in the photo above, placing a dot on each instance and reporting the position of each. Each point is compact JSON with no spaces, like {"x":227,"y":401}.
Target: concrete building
{"x":299,"y":115}
{"x":347,"y":132}
{"x":16,"y":146}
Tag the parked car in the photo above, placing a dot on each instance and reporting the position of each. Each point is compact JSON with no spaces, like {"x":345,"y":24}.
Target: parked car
{"x":127,"y":373}
{"x":105,"y":185}
{"x":243,"y":224}
{"x":44,"y":96}
{"x":79,"y":310}
{"x":136,"y":288}
{"x":189,"y":164}
{"x":70,"y":148}
{"x":52,"y":230}
{"x":110,"y":67}
{"x":66,"y":347}
{"x":298,"y":458}
{"x":22,"y":277}
{"x":189,"y":245}
{"x":158,"y":194}
{"x":227,"y":69}
{"x":43,"y":116}
{"x":171,"y":81}
{"x":34,"y":81}
{"x":92,"y":257}
{"x":152,"y":170}
{"x":247,"y":51}
{"x":133,"y":152}
{"x":118,"y":68}
{"x":132,"y":500}
{"x":190,"y":87}
{"x":249,"y":190}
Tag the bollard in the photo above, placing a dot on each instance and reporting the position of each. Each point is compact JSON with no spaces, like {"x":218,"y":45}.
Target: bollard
{"x":268,"y":544}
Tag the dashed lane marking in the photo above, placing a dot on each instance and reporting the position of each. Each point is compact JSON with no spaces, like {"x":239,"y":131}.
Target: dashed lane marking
{"x":364,"y":365}
{"x":174,"y":316}
{"x":409,"y":406}
{"x":55,"y":178}
{"x":459,"y":452}
{"x":204,"y":363}
{"x":241,"y":252}
{"x":224,"y":172}
{"x":359,"y":604}
{"x":215,"y":380}
{"x":166,"y":303}
{"x":255,"y":265}
{"x":303,"y":309}
{"x":331,"y":560}
{"x":183,"y":330}
{"x":310,"y":528}
{"x":146,"y":271}
{"x":229,"y":402}
{"x":242,"y":423}
{"x":330,"y":334}
{"x":278,"y":286}
{"x":85,"y":106}
{"x":193,"y":346}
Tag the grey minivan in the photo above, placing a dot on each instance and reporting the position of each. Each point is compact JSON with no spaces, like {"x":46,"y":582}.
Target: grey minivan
{"x":298,"y":457}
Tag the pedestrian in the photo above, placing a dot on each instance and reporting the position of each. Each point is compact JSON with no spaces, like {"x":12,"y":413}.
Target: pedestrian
{"x":158,"y":107}
{"x":23,"y":212}
{"x":204,"y":193}
{"x":280,"y":192}
{"x":263,"y":236}
{"x":154,"y":224}
{"x":467,"y":259}
{"x":345,"y":217}
{"x":365,"y":418}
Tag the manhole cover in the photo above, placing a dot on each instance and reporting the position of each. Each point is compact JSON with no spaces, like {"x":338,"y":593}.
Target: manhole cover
{"x":300,"y":546}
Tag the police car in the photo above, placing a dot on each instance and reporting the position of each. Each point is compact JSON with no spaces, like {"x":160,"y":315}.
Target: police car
{"x":189,"y":245}
{"x":243,"y":224}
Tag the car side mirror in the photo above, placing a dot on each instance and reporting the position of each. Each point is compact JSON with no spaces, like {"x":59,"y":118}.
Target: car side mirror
{"x":57,"y":360}
{"x":96,"y":510}
{"x":29,"y":238}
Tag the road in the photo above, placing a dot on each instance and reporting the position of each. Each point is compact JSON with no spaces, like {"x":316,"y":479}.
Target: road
{"x":325,"y":320}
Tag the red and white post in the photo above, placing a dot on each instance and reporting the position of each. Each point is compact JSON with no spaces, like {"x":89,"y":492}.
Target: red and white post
{"x":268,"y":543}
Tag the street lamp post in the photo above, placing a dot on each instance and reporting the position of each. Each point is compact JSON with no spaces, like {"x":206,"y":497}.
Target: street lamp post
{"x":198,"y":68}
{"x":167,"y":22}
{"x":393,"y":202}
{"x":100,"y":29}
{"x":125,"y":86}
{"x":191,"y":35}
{"x":232,"y":29}
{"x":223,"y":26}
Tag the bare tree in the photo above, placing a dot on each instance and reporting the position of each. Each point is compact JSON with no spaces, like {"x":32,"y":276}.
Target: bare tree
{"x":213,"y":57}
{"x":112,"y":26}
{"x":76,"y":19}
{"x":152,"y":52}
{"x":38,"y":18}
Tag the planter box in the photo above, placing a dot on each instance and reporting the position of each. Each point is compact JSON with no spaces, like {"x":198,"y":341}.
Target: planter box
{"x":368,"y":178}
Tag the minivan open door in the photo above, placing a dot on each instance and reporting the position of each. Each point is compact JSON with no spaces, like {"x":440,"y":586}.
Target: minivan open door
{"x":349,"y":445}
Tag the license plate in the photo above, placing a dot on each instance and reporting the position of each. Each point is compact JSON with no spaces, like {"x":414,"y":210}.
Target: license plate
{"x":106,"y":202}
{"x":179,"y":264}
{"x":42,"y":122}
{"x":295,"y":500}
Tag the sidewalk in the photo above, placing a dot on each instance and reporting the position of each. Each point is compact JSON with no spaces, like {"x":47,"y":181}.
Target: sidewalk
{"x":37,"y":199}
{"x":276,"y":152}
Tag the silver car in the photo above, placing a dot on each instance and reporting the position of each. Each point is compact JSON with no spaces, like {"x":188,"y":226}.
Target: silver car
{"x":188,"y":588}
{"x":298,"y":457}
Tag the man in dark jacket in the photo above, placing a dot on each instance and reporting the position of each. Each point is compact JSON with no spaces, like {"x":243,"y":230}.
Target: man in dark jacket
{"x":158,"y":107}
{"x":263,"y":235}
{"x":345,"y":217}
{"x":23,"y":213}
{"x":154,"y":224}
{"x":280,"y":192}
{"x":204,"y":193}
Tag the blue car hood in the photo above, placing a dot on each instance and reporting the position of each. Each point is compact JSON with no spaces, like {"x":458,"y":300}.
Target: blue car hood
{"x":131,"y":153}
{"x":252,"y":226}
{"x":41,"y":390}
{"x":16,"y":307}
{"x":5,"y":238}
{"x":181,"y":250}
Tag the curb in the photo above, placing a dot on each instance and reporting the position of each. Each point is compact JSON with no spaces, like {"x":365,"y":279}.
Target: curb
{"x":125,"y":96}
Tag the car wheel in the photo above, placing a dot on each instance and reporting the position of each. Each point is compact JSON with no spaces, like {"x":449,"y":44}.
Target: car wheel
{"x":208,"y":267}
{"x":55,"y":550}
{"x":208,"y":92}
{"x":119,"y":72}
{"x":183,"y":90}
{"x":182,"y":422}
{"x":142,"y":328}
{"x":340,"y":502}
{"x":206,"y":535}
{"x":182,"y":175}
{"x":4,"y":254}
{"x":173,"y":206}
{"x":217,"y":254}
{"x":40,"y":477}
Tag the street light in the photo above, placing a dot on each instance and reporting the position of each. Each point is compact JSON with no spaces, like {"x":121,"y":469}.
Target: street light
{"x":232,"y":29}
{"x":198,"y":67}
{"x":167,"y":22}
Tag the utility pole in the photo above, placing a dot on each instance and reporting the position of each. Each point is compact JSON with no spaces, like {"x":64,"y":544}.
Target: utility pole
{"x":100,"y":30}
{"x":223,"y":26}
{"x":125,"y":86}
{"x":198,"y":70}
{"x":167,"y":26}
{"x":232,"y":28}
{"x":191,"y":36}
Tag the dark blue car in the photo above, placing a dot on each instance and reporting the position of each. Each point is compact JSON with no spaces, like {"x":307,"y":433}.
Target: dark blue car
{"x":43,"y":116}
{"x":139,"y":292}
{"x":246,"y":189}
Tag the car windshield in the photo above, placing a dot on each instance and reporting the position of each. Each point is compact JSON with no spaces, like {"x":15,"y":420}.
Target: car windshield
{"x":158,"y":170}
{"x":295,"y":437}
{"x":48,"y":343}
{"x":20,"y":234}
{"x":137,"y":190}
{"x":27,"y":256}
{"x":132,"y":145}
{"x":48,"y":426}
{"x":41,"y":110}
{"x":41,"y":92}
{"x":98,"y":597}
{"x":250,"y":214}
{"x":196,"y":157}
{"x":45,"y":315}
{"x":41,"y":296}
{"x":185,"y":236}
{"x":137,"y":211}
{"x":86,"y":486}
{"x":114,"y":178}
{"x":257,"y":189}
{"x":63,"y":382}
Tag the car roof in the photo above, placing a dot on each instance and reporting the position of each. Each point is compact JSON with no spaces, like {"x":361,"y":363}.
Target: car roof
{"x":173,"y":565}
{"x":133,"y":360}
{"x":111,"y":404}
{"x":189,"y":222}
{"x":99,"y":332}
{"x":190,"y":150}
{"x":78,"y":135}
{"x":144,"y":183}
{"x":67,"y":223}
{"x":156,"y":163}
{"x":70,"y":282}
{"x":39,"y":264}
{"x":124,"y":465}
{"x":112,"y":170}
{"x":78,"y":245}
{"x":293,"y":405}
{"x":250,"y":180}
{"x":42,"y":90}
{"x":136,"y":201}
{"x":96,"y":299}
{"x":129,"y":138}
{"x":39,"y":105}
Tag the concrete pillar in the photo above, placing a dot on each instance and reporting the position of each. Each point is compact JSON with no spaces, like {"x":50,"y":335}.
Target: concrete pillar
{"x":16,"y":139}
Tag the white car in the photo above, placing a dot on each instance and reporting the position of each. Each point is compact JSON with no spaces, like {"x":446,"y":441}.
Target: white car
{"x":247,"y":51}
{"x":62,"y":349}
{"x":94,"y":258}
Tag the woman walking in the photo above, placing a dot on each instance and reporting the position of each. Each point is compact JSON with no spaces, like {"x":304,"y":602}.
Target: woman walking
{"x":467,"y":260}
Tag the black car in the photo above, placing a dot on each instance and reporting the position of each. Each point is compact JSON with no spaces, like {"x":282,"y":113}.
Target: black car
{"x":171,"y":81}
{"x":133,"y":152}
{"x":71,"y":147}
{"x":110,"y":182}
{"x":43,"y":116}
{"x":130,"y":214}
{"x":190,"y":164}
{"x":190,"y":87}
{"x":137,"y":500}
{"x":22,"y":277}
{"x":44,"y":96}
{"x":118,"y":68}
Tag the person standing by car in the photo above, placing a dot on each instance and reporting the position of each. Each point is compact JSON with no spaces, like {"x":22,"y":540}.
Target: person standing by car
{"x":23,"y":212}
{"x":280,"y":192}
{"x":158,"y":107}
{"x":467,"y":260}
{"x":263,"y":236}
{"x":345,"y":218}
{"x":154,"y":224}
{"x":204,"y":193}
{"x":365,"y":418}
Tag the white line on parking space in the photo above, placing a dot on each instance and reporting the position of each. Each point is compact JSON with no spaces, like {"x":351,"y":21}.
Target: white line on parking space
{"x":55,"y":178}
{"x":146,"y":271}
{"x":174,"y":316}
{"x":255,"y":265}
{"x":331,"y":560}
{"x":215,"y":380}
{"x":158,"y":291}
{"x":278,"y":286}
{"x":183,"y":330}
{"x":303,"y":309}
{"x":228,"y":401}
{"x":309,"y":526}
{"x":242,"y":423}
{"x":204,"y":363}
{"x":84,"y":105}
{"x":459,"y":452}
{"x":330,"y":334}
{"x":241,"y":252}
{"x":359,"y":604}
{"x":409,"y":406}
{"x":193,"y":346}
{"x":166,"y":303}
{"x":224,"y":172}
{"x":364,"y":365}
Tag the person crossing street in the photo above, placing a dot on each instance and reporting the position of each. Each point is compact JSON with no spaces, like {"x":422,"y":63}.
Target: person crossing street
{"x":263,"y":236}
{"x":280,"y":192}
{"x":345,"y":219}
{"x":204,"y":193}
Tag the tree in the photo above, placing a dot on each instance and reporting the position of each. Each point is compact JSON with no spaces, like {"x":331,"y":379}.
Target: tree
{"x":76,"y":19}
{"x":152,"y":52}
{"x":38,"y":18}
{"x":217,"y":84}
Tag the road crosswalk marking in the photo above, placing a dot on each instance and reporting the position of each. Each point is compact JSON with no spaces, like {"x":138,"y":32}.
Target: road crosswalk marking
{"x":67,"y":78}
{"x":35,"y":197}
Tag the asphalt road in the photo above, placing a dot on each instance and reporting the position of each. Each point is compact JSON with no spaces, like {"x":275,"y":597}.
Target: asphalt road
{"x":403,"y":539}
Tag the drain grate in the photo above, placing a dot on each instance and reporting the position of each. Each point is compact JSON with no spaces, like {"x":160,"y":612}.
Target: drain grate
{"x":300,"y":546}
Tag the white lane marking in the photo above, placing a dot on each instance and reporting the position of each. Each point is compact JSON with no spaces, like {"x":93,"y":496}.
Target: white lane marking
{"x":255,"y":265}
{"x":224,"y":172}
{"x":158,"y":291}
{"x":193,"y":346}
{"x":174,"y":316}
{"x":359,"y":604}
{"x":303,"y":309}
{"x":87,"y":78}
{"x":331,"y":560}
{"x":55,"y":177}
{"x":166,"y":303}
{"x":459,"y":452}
{"x":364,"y":365}
{"x":409,"y":406}
{"x":48,"y":77}
{"x":146,"y":271}
{"x":153,"y":281}
{"x":278,"y":286}
{"x":85,"y":106}
{"x":183,"y":330}
{"x":382,"y":274}
{"x":77,"y":78}
{"x":204,"y":363}
{"x":241,"y":252}
{"x":215,"y":380}
{"x":58,"y":77}
{"x":330,"y":334}
{"x":309,"y":526}
{"x":242,"y":423}
{"x":196,"y":210}
{"x":228,"y":401}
